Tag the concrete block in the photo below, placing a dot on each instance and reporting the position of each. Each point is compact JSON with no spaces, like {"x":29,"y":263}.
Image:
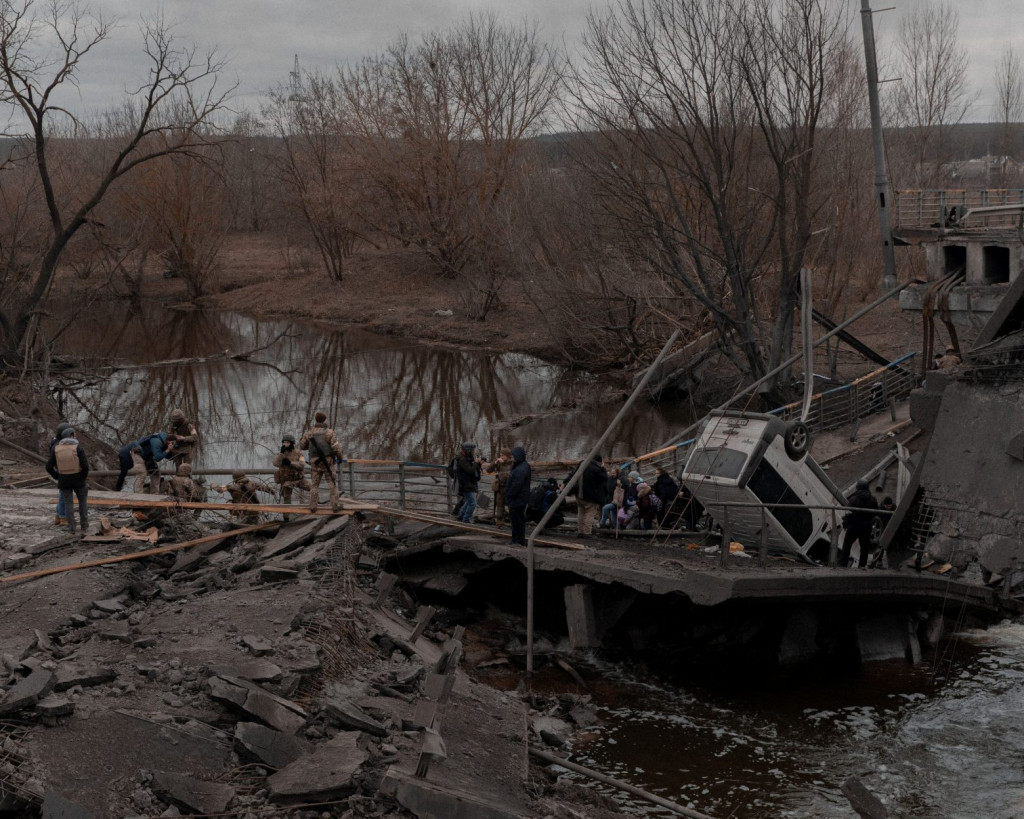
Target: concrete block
{"x":194,"y":795}
{"x":865,"y":803}
{"x":428,"y":800}
{"x":580,"y":618}
{"x":800,"y":639}
{"x":53,"y":705}
{"x":887,"y":637}
{"x":258,"y":646}
{"x":352,"y":718}
{"x":293,"y":534}
{"x":275,"y":711}
{"x":325,"y":772}
{"x":256,"y":670}
{"x":28,"y":692}
{"x":268,"y":745}
{"x":68,"y":675}
{"x":1000,"y":555}
{"x":924,"y":408}
{"x":332,"y":528}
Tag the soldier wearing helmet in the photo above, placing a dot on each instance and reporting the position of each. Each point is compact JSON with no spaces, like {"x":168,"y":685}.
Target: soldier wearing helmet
{"x":291,"y":469}
{"x":185,"y":437}
{"x":324,"y":452}
{"x":243,"y":489}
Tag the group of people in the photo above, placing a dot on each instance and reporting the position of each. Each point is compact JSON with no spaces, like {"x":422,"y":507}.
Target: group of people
{"x":605,"y":498}
{"x":68,"y":464}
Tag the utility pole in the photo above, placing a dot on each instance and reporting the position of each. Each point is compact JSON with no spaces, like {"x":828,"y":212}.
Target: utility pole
{"x":295,"y":75}
{"x":881,"y":174}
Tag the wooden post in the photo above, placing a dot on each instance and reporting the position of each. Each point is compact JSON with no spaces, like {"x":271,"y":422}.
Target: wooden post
{"x":401,"y":485}
{"x":762,"y":547}
{"x":351,"y":480}
{"x":723,"y":555}
{"x":423,"y":617}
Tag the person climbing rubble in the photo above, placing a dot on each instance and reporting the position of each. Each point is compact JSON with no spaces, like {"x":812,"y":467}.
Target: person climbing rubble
{"x":184,"y":435}
{"x":290,"y":469}
{"x":243,"y":490}
{"x":324,"y":451}
{"x":154,"y":449}
{"x":61,"y":518}
{"x":69,"y":466}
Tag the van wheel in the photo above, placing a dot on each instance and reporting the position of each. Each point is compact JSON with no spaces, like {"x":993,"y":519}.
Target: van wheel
{"x":877,"y":527}
{"x":797,"y":439}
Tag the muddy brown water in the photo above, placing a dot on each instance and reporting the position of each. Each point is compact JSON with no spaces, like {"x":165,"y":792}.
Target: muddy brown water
{"x":387,"y":398}
{"x":944,"y":738}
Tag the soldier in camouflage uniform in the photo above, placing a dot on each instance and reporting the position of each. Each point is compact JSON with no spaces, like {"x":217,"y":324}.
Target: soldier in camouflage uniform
{"x":185,"y":437}
{"x":182,"y":486}
{"x":324,"y":450}
{"x":291,"y":469}
{"x":243,"y":489}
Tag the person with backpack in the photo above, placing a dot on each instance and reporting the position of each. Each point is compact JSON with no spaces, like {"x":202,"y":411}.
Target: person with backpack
{"x":591,"y":497}
{"x":517,"y":495}
{"x":60,"y":519}
{"x":467,"y":477}
{"x":323,"y":447}
{"x":69,"y":466}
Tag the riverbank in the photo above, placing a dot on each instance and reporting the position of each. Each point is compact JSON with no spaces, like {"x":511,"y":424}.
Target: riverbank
{"x":393,"y":292}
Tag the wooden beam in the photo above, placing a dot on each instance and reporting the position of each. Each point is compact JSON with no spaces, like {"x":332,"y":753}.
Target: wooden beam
{"x":151,"y":502}
{"x":137,"y":555}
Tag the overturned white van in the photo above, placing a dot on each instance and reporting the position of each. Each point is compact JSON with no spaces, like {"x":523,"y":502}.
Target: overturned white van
{"x":743,"y":460}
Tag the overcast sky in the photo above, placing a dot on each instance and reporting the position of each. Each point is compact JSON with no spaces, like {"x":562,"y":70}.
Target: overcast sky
{"x":261,"y":37}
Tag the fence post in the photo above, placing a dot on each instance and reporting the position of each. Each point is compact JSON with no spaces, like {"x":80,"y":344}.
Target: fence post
{"x":351,"y":480}
{"x":401,"y":485}
{"x":762,"y":549}
{"x":833,"y":544}
{"x":723,"y":552}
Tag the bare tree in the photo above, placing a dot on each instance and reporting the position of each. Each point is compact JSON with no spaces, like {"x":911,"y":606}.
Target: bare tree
{"x":441,"y":127}
{"x":932,"y":95}
{"x":1010,"y":96}
{"x":707,"y":121}
{"x":42,"y":49}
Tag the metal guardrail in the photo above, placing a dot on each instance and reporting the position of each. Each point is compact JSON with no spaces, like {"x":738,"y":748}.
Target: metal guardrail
{"x":931,"y":208}
{"x":830,"y":409}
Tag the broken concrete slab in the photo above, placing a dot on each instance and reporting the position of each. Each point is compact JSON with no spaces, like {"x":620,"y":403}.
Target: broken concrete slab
{"x":270,"y":746}
{"x":307,"y":557}
{"x":111,"y":606}
{"x":326,"y":771}
{"x":255,"y":670}
{"x":275,"y":711}
{"x":68,"y":675}
{"x":28,"y":692}
{"x":258,"y":646}
{"x":332,"y":528}
{"x":352,"y":717}
{"x":274,"y":574}
{"x":54,"y":705}
{"x":194,"y":795}
{"x":293,"y":534}
{"x":429,"y":800}
{"x":56,"y":806}
{"x":119,"y":631}
{"x":190,"y":558}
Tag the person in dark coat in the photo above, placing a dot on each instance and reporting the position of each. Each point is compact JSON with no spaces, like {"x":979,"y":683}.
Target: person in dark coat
{"x":467,"y":475}
{"x":858,"y":524}
{"x":130,"y":460}
{"x":591,"y":497}
{"x":69,"y":466}
{"x":666,"y":488}
{"x":154,"y":449}
{"x":541,"y":498}
{"x":517,"y":495}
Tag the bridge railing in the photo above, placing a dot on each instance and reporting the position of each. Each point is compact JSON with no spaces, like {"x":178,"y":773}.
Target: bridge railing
{"x":830,"y":409}
{"x":930,"y":208}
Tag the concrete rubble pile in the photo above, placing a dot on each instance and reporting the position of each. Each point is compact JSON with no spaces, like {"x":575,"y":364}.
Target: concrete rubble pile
{"x":249,"y":677}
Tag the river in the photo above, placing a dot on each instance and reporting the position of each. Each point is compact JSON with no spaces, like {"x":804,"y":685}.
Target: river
{"x":942,"y":739}
{"x":386,"y":397}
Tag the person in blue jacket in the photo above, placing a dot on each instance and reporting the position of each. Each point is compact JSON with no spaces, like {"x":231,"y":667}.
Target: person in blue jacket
{"x":154,"y":448}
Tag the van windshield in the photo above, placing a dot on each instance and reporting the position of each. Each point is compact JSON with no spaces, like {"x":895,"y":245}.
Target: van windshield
{"x":717,"y":462}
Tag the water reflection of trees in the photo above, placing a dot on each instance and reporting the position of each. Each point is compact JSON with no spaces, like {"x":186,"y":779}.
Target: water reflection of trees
{"x":387,"y":398}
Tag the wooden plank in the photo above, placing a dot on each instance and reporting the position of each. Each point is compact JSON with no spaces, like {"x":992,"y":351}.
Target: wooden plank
{"x":149,"y":502}
{"x":426,"y":614}
{"x":385,"y":583}
{"x":137,"y":555}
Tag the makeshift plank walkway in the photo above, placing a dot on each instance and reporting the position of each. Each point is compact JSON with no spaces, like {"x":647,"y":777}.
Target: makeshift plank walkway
{"x":163,"y":502}
{"x":138,"y":555}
